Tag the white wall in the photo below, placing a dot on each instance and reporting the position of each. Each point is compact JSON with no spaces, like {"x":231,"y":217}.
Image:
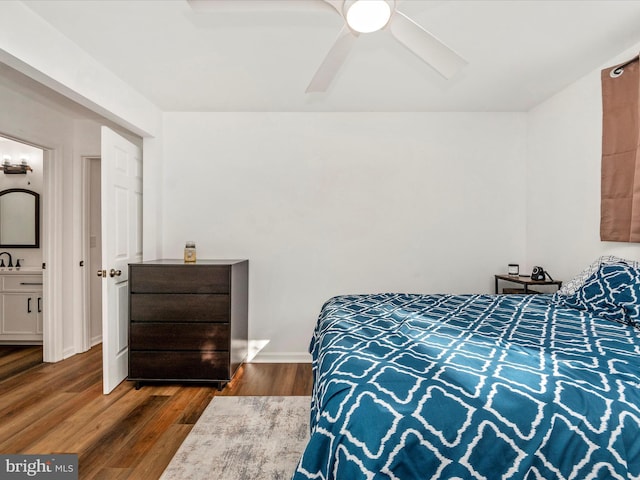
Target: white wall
{"x":563,"y":179}
{"x":332,"y":203}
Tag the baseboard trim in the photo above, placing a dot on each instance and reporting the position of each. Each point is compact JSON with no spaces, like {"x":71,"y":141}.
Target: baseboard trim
{"x":68,"y":352}
{"x":283,"y":357}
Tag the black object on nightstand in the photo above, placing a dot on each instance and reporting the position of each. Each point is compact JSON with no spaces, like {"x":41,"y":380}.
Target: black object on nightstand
{"x":526,"y":282}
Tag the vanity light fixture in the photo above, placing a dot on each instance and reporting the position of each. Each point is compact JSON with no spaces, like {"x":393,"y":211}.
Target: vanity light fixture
{"x":20,"y":168}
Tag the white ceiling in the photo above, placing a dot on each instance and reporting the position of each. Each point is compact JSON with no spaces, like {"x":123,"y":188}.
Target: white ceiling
{"x":519,"y":52}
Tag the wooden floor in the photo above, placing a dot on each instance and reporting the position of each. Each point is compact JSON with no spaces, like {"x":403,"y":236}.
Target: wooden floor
{"x":128,"y":434}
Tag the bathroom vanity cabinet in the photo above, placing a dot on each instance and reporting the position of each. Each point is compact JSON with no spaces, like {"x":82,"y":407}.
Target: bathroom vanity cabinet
{"x":21,"y":307}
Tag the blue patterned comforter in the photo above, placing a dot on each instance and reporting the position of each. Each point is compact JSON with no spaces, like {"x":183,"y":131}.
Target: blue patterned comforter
{"x":471,"y":387}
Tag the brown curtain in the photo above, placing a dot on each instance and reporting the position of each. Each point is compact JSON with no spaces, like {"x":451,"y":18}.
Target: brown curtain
{"x":620,"y":188}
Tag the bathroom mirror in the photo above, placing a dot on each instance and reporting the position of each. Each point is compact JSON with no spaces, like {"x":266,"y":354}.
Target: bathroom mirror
{"x":19,"y":218}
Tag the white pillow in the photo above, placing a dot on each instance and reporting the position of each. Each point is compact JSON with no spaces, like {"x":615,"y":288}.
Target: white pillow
{"x":576,"y":282}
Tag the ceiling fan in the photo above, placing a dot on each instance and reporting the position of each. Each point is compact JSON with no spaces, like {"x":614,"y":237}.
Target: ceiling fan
{"x":361,"y":17}
{"x":366,"y":16}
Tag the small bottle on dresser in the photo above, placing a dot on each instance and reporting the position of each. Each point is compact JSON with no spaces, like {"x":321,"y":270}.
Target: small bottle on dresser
{"x":190,"y":252}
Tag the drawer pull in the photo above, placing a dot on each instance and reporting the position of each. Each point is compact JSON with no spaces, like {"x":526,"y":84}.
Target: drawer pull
{"x":30,"y":283}
{"x":29,"y":305}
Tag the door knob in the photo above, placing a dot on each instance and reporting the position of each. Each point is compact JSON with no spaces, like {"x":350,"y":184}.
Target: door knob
{"x":115,"y":273}
{"x":102,"y":273}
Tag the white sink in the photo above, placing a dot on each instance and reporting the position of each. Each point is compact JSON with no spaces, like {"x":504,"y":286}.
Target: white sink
{"x":14,"y":270}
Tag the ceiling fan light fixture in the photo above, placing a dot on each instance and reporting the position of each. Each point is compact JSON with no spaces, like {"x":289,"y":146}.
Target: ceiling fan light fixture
{"x":366,"y":16}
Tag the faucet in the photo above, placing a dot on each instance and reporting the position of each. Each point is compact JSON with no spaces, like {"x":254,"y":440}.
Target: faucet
{"x":10,"y":260}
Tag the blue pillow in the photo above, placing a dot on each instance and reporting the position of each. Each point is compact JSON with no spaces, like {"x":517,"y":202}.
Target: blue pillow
{"x":612,"y":292}
{"x":570,"y":287}
{"x":626,"y":293}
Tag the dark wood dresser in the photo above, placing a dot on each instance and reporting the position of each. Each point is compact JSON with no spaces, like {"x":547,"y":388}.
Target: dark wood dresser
{"x":188,"y":322}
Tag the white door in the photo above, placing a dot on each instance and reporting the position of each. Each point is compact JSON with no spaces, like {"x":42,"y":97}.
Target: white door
{"x":121,"y":199}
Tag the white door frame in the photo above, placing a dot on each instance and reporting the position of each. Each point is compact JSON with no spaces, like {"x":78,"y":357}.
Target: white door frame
{"x":88,"y":272}
{"x":51,"y":241}
{"x":52,"y":208}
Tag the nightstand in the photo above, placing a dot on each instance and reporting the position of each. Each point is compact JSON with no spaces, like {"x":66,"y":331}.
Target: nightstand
{"x":188,"y":322}
{"x":526,"y":282}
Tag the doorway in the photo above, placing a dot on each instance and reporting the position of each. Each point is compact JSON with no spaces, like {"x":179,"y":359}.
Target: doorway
{"x":43,"y":177}
{"x":21,"y":243}
{"x":93,"y":250}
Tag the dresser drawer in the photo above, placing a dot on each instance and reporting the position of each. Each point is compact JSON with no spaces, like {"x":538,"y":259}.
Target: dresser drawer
{"x":179,"y":336}
{"x":168,"y":365}
{"x":180,"y":279}
{"x":176,"y":307}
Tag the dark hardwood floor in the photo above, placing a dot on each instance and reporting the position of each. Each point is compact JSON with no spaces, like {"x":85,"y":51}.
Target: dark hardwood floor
{"x":15,"y":359}
{"x":128,"y":434}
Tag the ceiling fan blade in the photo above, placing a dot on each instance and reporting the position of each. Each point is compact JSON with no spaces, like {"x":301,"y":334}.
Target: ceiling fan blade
{"x":333,"y":61}
{"x":443,"y":59}
{"x":337,"y":4}
{"x":232,"y":6}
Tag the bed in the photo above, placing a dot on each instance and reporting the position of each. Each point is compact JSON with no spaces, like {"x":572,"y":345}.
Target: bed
{"x":411,"y":386}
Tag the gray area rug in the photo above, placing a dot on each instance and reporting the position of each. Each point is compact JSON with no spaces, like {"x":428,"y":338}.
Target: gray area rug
{"x":238,"y":438}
